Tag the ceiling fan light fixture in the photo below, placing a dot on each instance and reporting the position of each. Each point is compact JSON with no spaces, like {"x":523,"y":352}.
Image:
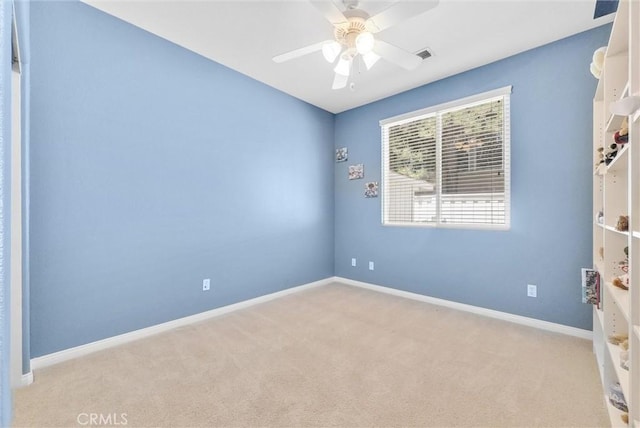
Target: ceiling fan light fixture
{"x":331,"y":50}
{"x":364,"y":42}
{"x":339,"y":81}
{"x":344,"y":67}
{"x":370,"y":59}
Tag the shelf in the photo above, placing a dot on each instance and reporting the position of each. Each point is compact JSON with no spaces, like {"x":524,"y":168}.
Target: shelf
{"x":621,"y":374}
{"x":617,"y":164}
{"x":621,"y":298}
{"x":615,"y":191}
{"x":615,"y":122}
{"x":615,"y":415}
{"x":613,"y":229}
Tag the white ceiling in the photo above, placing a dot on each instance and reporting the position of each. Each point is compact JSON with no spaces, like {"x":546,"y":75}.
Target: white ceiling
{"x":245,"y":35}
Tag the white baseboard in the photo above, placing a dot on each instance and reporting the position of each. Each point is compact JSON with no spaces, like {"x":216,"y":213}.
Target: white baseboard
{"x":110,"y":342}
{"x":518,"y":319}
{"x":79,"y":351}
{"x":25,"y":380}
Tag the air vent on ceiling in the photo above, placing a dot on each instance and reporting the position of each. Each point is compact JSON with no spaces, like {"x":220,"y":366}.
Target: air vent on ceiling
{"x":424,"y":54}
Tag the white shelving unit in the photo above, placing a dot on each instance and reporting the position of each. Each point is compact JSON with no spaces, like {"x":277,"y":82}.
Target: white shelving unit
{"x":616,"y":192}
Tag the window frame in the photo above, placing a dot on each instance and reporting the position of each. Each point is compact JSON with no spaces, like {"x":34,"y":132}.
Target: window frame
{"x":503,"y":93}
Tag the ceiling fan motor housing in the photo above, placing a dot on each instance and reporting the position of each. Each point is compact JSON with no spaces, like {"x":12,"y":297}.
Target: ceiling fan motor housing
{"x":346,"y":35}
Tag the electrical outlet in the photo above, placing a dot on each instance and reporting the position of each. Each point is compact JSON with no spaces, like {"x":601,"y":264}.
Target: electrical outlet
{"x":353,"y":262}
{"x":532,"y":290}
{"x":370,"y":265}
{"x":206,"y":284}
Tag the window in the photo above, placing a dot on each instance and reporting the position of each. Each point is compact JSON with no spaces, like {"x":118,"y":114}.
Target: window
{"x":448,"y":165}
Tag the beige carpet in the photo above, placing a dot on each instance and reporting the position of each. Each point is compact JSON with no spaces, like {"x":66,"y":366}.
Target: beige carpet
{"x":329,"y":356}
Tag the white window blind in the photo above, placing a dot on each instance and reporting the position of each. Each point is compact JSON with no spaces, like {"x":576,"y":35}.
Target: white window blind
{"x":448,"y":165}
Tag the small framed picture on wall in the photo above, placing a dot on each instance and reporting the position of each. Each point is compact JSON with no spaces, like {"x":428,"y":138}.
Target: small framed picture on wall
{"x":371,"y":189}
{"x":342,"y":154}
{"x":356,"y":171}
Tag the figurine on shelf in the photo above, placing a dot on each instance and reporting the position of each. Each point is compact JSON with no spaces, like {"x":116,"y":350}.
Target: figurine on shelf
{"x":610,"y":155}
{"x":616,"y":397}
{"x":600,"y":155}
{"x":617,"y":339}
{"x":622,"y":281}
{"x":622,"y":136}
{"x":624,"y":264}
{"x":624,"y":360}
{"x":623,"y":223}
{"x":600,"y":217}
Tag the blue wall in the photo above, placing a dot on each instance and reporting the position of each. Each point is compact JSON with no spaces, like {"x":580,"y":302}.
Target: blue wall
{"x":550,"y":236}
{"x":153,"y":168}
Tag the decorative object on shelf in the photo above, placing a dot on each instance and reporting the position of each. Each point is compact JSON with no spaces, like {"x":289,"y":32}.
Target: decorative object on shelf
{"x":622,"y":340}
{"x":371,"y":190}
{"x":624,"y":360}
{"x":600,"y":217}
{"x":597,"y":61}
{"x":624,"y":264}
{"x":356,"y":171}
{"x":625,"y":418}
{"x":622,"y":136}
{"x":342,"y":154}
{"x":617,"y":339}
{"x":590,"y":286}
{"x":616,"y":397}
{"x":625,"y":106}
{"x":621,"y":281}
{"x":611,"y":153}
{"x":623,"y":223}
{"x":600,"y":155}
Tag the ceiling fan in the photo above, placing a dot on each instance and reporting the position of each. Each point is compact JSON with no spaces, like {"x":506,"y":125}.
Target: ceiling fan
{"x":354,"y":38}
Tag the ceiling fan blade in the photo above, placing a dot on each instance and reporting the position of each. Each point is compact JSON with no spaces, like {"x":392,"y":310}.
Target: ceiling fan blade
{"x":299,"y":52}
{"x":339,"y":81}
{"x":399,"y":12}
{"x":330,"y":11}
{"x":398,"y":56}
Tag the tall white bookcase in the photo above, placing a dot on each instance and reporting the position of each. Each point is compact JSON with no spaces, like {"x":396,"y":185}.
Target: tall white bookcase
{"x":616,"y":192}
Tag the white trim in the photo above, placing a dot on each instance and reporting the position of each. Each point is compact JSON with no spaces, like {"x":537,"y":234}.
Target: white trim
{"x":110,"y":342}
{"x":25,"y":380}
{"x":448,"y":105}
{"x":79,"y":351}
{"x":517,"y":319}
